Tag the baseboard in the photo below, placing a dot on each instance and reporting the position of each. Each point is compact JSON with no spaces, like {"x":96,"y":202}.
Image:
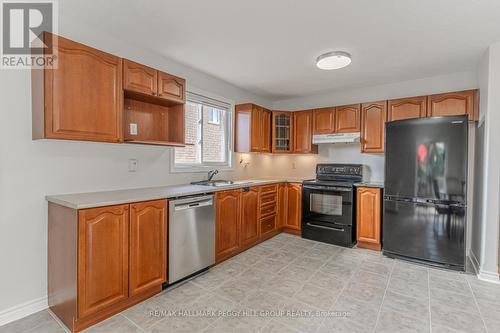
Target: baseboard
{"x":474,"y":261}
{"x":486,"y":276}
{"x":23,"y":310}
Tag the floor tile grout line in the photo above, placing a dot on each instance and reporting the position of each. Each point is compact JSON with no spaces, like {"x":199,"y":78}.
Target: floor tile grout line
{"x":383,"y":298}
{"x":477,"y":306}
{"x":133,"y":322}
{"x":58,"y":321}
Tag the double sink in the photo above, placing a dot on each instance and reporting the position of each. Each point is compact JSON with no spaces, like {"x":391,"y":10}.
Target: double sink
{"x":221,"y":183}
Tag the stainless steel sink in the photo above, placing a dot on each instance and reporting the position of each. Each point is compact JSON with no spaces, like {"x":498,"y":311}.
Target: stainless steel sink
{"x":219,"y":183}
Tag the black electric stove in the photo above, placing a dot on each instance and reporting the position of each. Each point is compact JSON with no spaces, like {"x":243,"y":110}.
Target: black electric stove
{"x":328,"y":204}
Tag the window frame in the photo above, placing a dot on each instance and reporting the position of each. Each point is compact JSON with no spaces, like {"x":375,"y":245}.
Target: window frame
{"x":221,"y":104}
{"x":211,"y":120}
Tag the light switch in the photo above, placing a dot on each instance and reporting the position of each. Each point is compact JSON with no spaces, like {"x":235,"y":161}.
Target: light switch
{"x":132,"y":165}
{"x":133,"y":129}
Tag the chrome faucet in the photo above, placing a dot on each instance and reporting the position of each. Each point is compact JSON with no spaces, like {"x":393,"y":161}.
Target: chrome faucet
{"x":212,"y":173}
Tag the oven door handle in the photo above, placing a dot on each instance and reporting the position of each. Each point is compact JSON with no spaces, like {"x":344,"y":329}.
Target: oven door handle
{"x":323,"y":227}
{"x":328,"y":188}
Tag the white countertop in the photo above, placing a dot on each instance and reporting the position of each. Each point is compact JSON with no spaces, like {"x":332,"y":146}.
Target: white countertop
{"x":117,"y":197}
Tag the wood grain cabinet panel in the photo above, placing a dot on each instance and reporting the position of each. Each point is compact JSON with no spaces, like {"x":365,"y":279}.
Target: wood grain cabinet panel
{"x":368,"y":210}
{"x":171,"y":87}
{"x":282,"y":205}
{"x":249,"y":217}
{"x":148,"y":245}
{"x":252,"y":129}
{"x":266,"y":130}
{"x":102,"y":258}
{"x":373,"y":118}
{"x":227,"y":224}
{"x":82,"y":98}
{"x":303,"y":121}
{"x":453,"y":104}
{"x":324,"y":121}
{"x":256,"y":138}
{"x":407,"y":108}
{"x":347,"y":118}
{"x":139,"y":78}
{"x":294,"y":205}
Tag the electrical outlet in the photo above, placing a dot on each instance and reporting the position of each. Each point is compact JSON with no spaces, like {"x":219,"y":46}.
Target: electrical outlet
{"x":132,"y":165}
{"x":133,"y":129}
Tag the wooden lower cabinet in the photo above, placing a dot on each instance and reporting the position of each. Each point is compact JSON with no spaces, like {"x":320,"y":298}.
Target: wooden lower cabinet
{"x":227,"y":225}
{"x":250,"y":232}
{"x":294,"y":205}
{"x":282,"y":205}
{"x":104,"y":260}
{"x":148,"y":245}
{"x":369,"y":218}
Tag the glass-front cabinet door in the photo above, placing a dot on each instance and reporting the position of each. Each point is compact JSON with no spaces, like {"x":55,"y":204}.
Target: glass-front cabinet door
{"x":282,"y":132}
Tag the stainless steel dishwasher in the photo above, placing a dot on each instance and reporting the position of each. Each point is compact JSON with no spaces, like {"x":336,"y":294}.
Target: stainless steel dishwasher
{"x":191,"y":236}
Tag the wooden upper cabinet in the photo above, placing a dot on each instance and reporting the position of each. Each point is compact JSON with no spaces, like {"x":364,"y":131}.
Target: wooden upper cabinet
{"x":252,"y":129}
{"x":373,"y":118}
{"x":266,"y":130}
{"x":282,"y":132}
{"x":227,"y":224}
{"x":453,"y":104}
{"x":139,"y":78}
{"x":368,"y":220}
{"x":302,"y":143}
{"x":148,"y":245}
{"x":347,"y":118}
{"x":294,"y":207}
{"x":407,"y":108}
{"x":102,"y":258}
{"x":82,"y":98}
{"x":171,"y":87}
{"x":324,"y":121}
{"x":249,"y":231}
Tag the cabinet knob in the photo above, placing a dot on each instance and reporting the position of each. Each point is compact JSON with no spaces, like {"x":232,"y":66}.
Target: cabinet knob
{"x":154,"y":94}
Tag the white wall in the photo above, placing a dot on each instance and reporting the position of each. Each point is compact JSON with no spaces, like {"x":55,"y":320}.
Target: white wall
{"x":425,"y":86}
{"x":486,"y":230}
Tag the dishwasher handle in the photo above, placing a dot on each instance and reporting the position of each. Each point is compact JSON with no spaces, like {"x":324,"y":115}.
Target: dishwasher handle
{"x":191,"y":203}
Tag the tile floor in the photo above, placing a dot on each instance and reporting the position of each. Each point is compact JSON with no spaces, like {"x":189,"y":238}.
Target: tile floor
{"x":288,"y":284}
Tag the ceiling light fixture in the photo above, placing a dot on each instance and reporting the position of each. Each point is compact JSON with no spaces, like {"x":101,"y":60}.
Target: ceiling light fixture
{"x":333,"y":60}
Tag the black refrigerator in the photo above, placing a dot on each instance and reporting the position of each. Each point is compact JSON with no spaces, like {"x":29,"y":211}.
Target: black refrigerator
{"x":425,"y":193}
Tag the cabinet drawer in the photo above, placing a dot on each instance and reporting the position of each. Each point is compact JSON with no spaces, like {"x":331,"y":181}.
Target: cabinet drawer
{"x":268,"y":198}
{"x":268,"y":209}
{"x":269,"y":189}
{"x":268,"y":224}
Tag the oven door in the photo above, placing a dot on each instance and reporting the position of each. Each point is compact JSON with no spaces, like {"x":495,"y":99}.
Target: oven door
{"x":327,"y":204}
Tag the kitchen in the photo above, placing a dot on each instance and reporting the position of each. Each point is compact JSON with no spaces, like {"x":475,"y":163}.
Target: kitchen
{"x":130,"y":160}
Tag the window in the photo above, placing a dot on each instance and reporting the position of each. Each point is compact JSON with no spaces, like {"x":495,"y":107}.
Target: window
{"x":207,"y":134}
{"x":214,"y":116}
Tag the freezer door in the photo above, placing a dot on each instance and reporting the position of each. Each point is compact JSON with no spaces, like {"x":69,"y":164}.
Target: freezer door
{"x":425,"y":231}
{"x":427,"y":158}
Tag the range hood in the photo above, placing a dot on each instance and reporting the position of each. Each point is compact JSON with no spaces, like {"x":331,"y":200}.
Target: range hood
{"x":336,"y":138}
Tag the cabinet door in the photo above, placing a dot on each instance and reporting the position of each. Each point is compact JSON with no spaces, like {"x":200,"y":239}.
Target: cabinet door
{"x":282,"y":204}
{"x":171,"y":87}
{"x":83,"y":96}
{"x":407,"y":108}
{"x":256,"y":139}
{"x":227,"y":224}
{"x":347,"y":118}
{"x":282,"y":132}
{"x":139,"y":78}
{"x":148,"y":245}
{"x":303,"y":132}
{"x":324,"y":121}
{"x":249,"y":231}
{"x":102,"y":258}
{"x":368,"y":218}
{"x":373,"y":117}
{"x":266,"y":131}
{"x":294,"y":206}
{"x":452,"y":104}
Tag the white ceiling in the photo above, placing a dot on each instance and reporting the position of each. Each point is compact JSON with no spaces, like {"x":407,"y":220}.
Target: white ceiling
{"x":269,"y":47}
